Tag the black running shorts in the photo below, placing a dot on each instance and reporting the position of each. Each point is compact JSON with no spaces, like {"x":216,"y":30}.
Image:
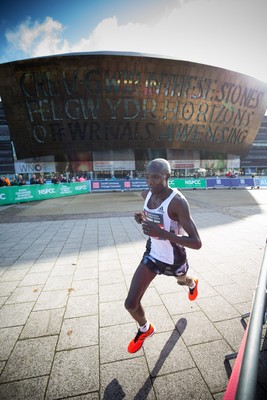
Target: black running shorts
{"x":161,"y":268}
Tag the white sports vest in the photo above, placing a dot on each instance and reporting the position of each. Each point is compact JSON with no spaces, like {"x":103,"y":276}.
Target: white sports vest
{"x":161,"y":249}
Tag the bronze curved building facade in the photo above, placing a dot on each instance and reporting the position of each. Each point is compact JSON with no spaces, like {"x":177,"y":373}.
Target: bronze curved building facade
{"x":94,"y":108}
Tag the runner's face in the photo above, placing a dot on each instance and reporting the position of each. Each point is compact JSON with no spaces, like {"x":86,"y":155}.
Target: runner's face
{"x":156,"y":180}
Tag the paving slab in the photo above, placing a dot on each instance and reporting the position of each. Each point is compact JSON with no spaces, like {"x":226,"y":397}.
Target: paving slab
{"x":30,"y":358}
{"x":30,"y":389}
{"x":65,"y":268}
{"x":188,"y":384}
{"x":74,"y":372}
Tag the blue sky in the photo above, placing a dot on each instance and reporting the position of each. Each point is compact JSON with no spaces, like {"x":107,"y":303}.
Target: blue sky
{"x":230,"y":34}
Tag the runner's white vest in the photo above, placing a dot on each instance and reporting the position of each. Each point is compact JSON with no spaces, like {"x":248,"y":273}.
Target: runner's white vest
{"x":162,"y":249}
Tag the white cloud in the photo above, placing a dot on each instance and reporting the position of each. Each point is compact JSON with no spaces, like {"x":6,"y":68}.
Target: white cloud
{"x":109,"y":35}
{"x":229,"y":34}
{"x":36,"y":39}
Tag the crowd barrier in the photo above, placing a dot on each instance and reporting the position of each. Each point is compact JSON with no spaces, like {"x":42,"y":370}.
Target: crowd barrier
{"x":26,"y":193}
{"x":180,"y":183}
{"x":20,"y":194}
{"x":243,"y":380}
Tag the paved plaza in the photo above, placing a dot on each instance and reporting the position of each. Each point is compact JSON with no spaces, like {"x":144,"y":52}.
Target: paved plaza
{"x":65,"y":268}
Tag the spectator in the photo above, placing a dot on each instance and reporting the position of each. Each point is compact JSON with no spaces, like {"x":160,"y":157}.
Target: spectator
{"x":21,"y":181}
{"x":33,"y":180}
{"x":71,"y":178}
{"x":41,"y":180}
{"x":3,"y":182}
{"x":55,"y":179}
{"x":14,"y":182}
{"x":63,"y":179}
{"x":7,"y":180}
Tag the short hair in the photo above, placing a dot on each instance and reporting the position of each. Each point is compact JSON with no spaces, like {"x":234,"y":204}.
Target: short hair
{"x":161,"y":164}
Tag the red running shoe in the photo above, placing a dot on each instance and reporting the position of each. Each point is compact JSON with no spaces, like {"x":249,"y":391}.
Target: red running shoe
{"x":192,"y":294}
{"x":138,"y":341}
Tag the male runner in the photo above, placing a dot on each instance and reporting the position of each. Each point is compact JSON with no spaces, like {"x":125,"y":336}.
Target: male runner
{"x":167,"y":221}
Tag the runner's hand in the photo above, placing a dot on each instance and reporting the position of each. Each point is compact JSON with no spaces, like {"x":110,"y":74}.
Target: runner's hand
{"x":139,"y":217}
{"x":152,"y":229}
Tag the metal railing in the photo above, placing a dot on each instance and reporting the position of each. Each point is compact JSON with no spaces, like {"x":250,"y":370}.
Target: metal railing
{"x":247,"y":381}
{"x":243,"y":381}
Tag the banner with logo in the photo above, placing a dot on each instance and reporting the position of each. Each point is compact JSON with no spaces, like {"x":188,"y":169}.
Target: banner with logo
{"x":135,"y":184}
{"x":229,"y":182}
{"x":22,"y":194}
{"x":219,"y":183}
{"x":260,"y":181}
{"x":107,"y":185}
{"x":242,"y":182}
{"x":34,"y":165}
{"x":120,"y":185}
{"x":188,"y":183}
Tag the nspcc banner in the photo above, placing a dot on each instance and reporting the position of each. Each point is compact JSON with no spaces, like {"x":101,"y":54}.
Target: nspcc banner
{"x":188,"y":183}
{"x":22,"y":194}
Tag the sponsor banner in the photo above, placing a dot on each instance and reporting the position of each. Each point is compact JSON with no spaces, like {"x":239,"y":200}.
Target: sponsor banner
{"x":33,"y":168}
{"x":114,"y":165}
{"x":107,"y":185}
{"x":6,"y":196}
{"x":136,"y":184}
{"x":50,"y":191}
{"x":260,"y":181}
{"x":140,"y":184}
{"x":21,"y":194}
{"x":42,"y":192}
{"x":188,"y":183}
{"x":103,"y":166}
{"x":242,"y":182}
{"x":218,"y":183}
{"x":118,"y":185}
{"x":229,"y":182}
{"x":180,"y":183}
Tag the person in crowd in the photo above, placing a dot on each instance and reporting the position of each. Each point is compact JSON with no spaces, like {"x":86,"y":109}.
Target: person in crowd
{"x":55,"y":179}
{"x":7,"y":180}
{"x":71,"y":178}
{"x":3,"y":181}
{"x":33,"y":180}
{"x":62,"y":179}
{"x":14,"y":182}
{"x":41,"y":180}
{"x":21,"y":181}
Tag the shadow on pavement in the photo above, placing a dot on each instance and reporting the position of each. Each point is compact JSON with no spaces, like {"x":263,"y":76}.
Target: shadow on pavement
{"x":114,"y":391}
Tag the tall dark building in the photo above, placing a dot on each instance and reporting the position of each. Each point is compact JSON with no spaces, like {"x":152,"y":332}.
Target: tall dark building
{"x":106,"y":112}
{"x":256,"y":159}
{"x":6,"y":150}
